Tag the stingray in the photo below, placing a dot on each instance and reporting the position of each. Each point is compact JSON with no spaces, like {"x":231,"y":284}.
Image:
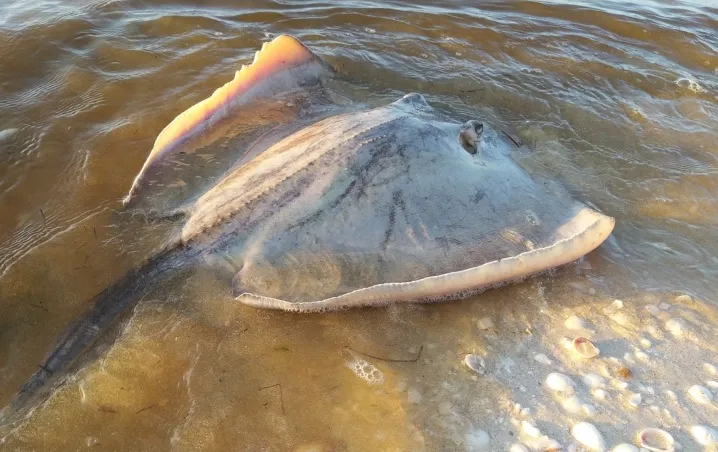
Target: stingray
{"x":332,"y":205}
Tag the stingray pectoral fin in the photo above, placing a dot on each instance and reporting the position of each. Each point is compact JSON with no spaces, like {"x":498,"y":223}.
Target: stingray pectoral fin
{"x":576,"y":238}
{"x":281,"y":67}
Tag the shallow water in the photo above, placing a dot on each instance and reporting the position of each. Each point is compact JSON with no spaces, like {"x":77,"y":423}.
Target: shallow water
{"x":618,"y":101}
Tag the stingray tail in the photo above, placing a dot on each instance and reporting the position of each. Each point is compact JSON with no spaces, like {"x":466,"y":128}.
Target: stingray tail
{"x":108,"y":307}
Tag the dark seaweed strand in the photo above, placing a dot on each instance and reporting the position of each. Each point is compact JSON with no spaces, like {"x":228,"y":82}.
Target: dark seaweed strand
{"x":107,"y":307}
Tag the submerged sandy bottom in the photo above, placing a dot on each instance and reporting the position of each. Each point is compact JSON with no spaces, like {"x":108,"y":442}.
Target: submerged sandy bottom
{"x":193,"y":370}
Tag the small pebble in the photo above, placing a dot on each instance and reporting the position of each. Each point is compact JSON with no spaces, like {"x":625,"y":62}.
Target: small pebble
{"x":664,"y":306}
{"x":684,"y":299}
{"x":589,"y":409}
{"x":530,"y":429}
{"x":593,"y":380}
{"x":588,"y":435}
{"x":653,"y":309}
{"x":625,"y":447}
{"x":676,"y":327}
{"x":642,"y":356}
{"x":543,"y":359}
{"x":485,"y":323}
{"x":645,"y":343}
{"x":710,"y":368}
{"x":700,"y":394}
{"x":560,"y":383}
{"x":575,"y":323}
{"x":712,"y":384}
{"x":671,"y":394}
{"x":705,"y":436}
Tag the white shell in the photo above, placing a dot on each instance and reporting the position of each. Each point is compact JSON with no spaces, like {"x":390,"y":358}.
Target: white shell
{"x":700,"y":394}
{"x":560,"y":383}
{"x":475,"y":363}
{"x":588,"y":435}
{"x":705,"y":436}
{"x":585,"y":348}
{"x":625,"y":447}
{"x":635,"y":400}
{"x":594,"y":380}
{"x":530,"y":429}
{"x":516,"y":447}
{"x":656,"y":440}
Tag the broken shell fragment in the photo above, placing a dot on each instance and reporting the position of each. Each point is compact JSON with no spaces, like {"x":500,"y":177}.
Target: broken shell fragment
{"x":585,"y":348}
{"x":656,"y":440}
{"x":624,"y":373}
{"x":475,"y":363}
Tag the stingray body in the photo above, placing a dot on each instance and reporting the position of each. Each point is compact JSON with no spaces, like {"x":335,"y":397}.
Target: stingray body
{"x":340,"y":207}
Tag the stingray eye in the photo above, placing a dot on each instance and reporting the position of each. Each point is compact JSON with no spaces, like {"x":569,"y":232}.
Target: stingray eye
{"x":469,"y":136}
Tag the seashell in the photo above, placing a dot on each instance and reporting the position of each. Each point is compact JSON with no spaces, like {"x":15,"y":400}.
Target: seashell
{"x":588,"y":435}
{"x":635,"y":400}
{"x":705,"y":436}
{"x":700,"y":394}
{"x":560,"y":383}
{"x":593,"y":380}
{"x":530,"y":429}
{"x":625,"y":447}
{"x":585,"y":348}
{"x":475,"y":363}
{"x":656,"y":440}
{"x":624,"y":373}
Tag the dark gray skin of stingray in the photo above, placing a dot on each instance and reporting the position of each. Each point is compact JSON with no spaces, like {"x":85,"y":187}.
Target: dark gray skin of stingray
{"x":388,"y":195}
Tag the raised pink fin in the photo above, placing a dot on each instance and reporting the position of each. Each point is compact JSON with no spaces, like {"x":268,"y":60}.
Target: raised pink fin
{"x":281,"y":66}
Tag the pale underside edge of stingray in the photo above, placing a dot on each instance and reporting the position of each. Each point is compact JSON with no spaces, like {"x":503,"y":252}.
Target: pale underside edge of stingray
{"x":342,"y":207}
